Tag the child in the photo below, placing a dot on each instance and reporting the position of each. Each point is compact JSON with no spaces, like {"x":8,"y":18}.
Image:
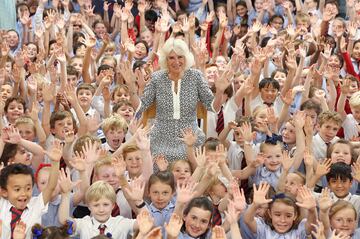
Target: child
{"x":100,"y":197}
{"x":328,"y":126}
{"x":125,"y":109}
{"x":114,"y":128}
{"x":282,"y":219}
{"x":351,"y":121}
{"x":6,"y":90}
{"x":340,"y":216}
{"x":16,"y":182}
{"x":197,"y":219}
{"x":14,"y":108}
{"x":311,"y":109}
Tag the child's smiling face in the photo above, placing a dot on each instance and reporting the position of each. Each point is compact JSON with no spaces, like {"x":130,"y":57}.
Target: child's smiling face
{"x":273,"y":157}
{"x":18,"y":190}
{"x":282,"y":216}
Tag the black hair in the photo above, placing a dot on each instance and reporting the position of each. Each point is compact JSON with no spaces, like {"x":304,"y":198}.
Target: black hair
{"x":138,"y":64}
{"x":14,"y":169}
{"x":103,"y":68}
{"x":339,"y":170}
{"x":151,"y":15}
{"x":199,"y":202}
{"x":266,"y":82}
{"x":311,"y":105}
{"x":77,"y":45}
{"x":9,"y":151}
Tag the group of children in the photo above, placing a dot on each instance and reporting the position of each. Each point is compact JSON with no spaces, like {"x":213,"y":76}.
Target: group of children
{"x":281,"y":158}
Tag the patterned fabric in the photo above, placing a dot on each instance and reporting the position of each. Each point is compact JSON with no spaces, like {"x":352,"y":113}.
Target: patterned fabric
{"x":216,"y":216}
{"x":220,"y":121}
{"x":166,"y":133}
{"x":102,"y":229}
{"x":15,"y":217}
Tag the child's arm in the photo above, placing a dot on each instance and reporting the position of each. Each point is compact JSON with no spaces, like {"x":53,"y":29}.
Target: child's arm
{"x":223,"y":135}
{"x":54,"y":155}
{"x":185,"y":193}
{"x":143,"y":142}
{"x":321,"y":169}
{"x":286,"y":163}
{"x":259,"y":199}
{"x":221,"y":155}
{"x":40,"y":133}
{"x":48,"y":97}
{"x":189,"y":138}
{"x":134,"y":194}
{"x":232,"y":218}
{"x":79,"y":164}
{"x":71,"y":97}
{"x":299,"y":121}
{"x":307,"y":201}
{"x":200,"y":161}
{"x":309,"y":165}
{"x":248,"y":136}
{"x":89,"y":42}
{"x":250,"y":169}
{"x":325,"y":203}
{"x":345,"y":89}
{"x":66,"y":185}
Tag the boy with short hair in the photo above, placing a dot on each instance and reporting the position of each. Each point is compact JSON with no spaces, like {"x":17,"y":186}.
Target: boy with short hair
{"x":329,"y":123}
{"x":17,"y":203}
{"x":101,"y":199}
{"x":115,"y":129}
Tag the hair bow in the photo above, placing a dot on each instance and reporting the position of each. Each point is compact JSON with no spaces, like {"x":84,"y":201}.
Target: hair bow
{"x":108,"y":235}
{"x":37,"y":233}
{"x":69,"y":231}
{"x":273,"y":139}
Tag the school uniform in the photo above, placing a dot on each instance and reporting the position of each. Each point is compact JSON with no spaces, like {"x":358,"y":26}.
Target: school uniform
{"x":184,"y":235}
{"x":108,"y":148}
{"x":263,"y":174}
{"x":119,"y":227}
{"x":277,"y":104}
{"x":229,"y":112}
{"x":246,"y":233}
{"x":125,"y":209}
{"x":235,"y":156}
{"x":350,"y":126}
{"x":161,"y":216}
{"x":30,"y":216}
{"x":51,"y":218}
{"x":320,"y":147}
{"x":264,"y":231}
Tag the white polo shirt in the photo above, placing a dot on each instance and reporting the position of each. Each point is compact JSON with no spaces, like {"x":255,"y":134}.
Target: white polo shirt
{"x":31,"y":215}
{"x":119,"y":227}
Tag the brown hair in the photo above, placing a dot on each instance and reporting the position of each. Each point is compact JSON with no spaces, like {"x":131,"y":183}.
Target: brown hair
{"x":287,"y":200}
{"x":165,"y":177}
{"x":327,"y":116}
{"x":81,"y":141}
{"x":85,"y":86}
{"x":60,"y":115}
{"x":51,"y":232}
{"x":346,"y":142}
{"x":129,"y":149}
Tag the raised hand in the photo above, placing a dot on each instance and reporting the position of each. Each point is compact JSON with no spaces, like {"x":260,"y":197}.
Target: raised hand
{"x":88,"y":41}
{"x":308,"y":157}
{"x":142,"y":139}
{"x":136,"y":193}
{"x":13,"y":135}
{"x":319,"y":232}
{"x":286,"y":161}
{"x":238,"y":197}
{"x":231,"y":214}
{"x":245,"y":131}
{"x":324,"y":200}
{"x":55,"y":152}
{"x":218,"y":233}
{"x":173,"y":227}
{"x":189,"y":138}
{"x":19,"y":230}
{"x":225,"y":80}
{"x":78,"y":162}
{"x":339,"y":235}
{"x":200,"y":157}
{"x":356,"y":170}
{"x":221,"y":154}
{"x":306,"y":199}
{"x":66,"y":185}
{"x":119,"y":164}
{"x":145,"y":222}
{"x":161,"y":162}
{"x":185,"y":192}
{"x":91,"y":151}
{"x":70,"y":94}
{"x":69,"y":137}
{"x":260,"y":194}
{"x":323,"y":168}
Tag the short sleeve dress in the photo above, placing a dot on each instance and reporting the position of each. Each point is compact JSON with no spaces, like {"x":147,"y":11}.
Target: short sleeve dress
{"x":175,"y":111}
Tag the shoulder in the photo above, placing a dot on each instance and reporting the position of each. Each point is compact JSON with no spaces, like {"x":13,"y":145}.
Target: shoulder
{"x":194,"y":73}
{"x":158,"y":74}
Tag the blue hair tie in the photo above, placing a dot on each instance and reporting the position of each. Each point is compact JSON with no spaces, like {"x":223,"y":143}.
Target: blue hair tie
{"x":37,"y":233}
{"x":273,"y":139}
{"x":69,"y":231}
{"x":108,"y":235}
{"x":281,"y":196}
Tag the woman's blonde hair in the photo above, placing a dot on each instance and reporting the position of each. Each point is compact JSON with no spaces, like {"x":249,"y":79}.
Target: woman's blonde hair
{"x":98,"y":190}
{"x":180,"y":48}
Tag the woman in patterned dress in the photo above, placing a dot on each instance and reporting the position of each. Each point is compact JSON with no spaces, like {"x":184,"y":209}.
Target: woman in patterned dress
{"x":176,"y":89}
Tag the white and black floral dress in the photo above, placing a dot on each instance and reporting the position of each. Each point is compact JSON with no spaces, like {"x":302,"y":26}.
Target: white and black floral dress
{"x":175,"y":111}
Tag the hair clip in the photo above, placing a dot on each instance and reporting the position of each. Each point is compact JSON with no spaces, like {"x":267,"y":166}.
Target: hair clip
{"x":273,"y":139}
{"x":108,"y":235}
{"x":37,"y":233}
{"x":69,"y":230}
